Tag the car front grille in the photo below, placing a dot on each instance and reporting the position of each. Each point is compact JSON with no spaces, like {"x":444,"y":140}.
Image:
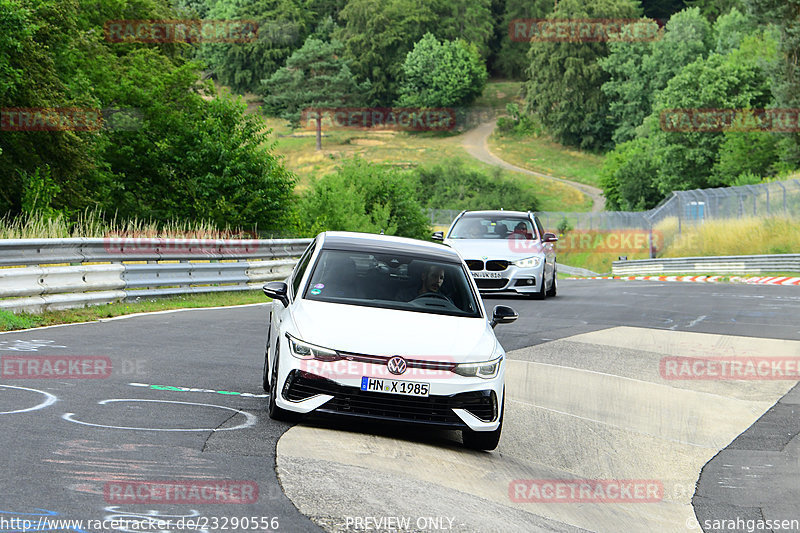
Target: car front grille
{"x":475,"y":264}
{"x":434,"y":410}
{"x":487,"y":283}
{"x":496,"y":265}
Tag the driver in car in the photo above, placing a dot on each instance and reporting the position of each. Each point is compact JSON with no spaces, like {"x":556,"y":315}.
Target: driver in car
{"x":432,"y":278}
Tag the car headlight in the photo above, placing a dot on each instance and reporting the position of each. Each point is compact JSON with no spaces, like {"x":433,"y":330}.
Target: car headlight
{"x":305,"y":350}
{"x":484,"y":369}
{"x":529,"y":262}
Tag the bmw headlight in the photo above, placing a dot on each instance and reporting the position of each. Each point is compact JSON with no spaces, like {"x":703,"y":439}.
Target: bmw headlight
{"x":305,"y":350}
{"x":529,"y":262}
{"x":484,"y":369}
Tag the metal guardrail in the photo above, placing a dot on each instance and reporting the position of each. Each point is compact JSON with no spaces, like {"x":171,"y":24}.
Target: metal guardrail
{"x":734,"y":264}
{"x":51,"y":274}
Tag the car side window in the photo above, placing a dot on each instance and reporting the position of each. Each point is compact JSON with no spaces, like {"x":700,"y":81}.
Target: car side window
{"x":539,"y":227}
{"x":302,"y":265}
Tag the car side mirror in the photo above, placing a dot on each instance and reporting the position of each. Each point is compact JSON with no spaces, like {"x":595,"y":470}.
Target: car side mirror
{"x":549,"y":237}
{"x":277,"y":290}
{"x":503,"y":314}
{"x":438,"y":236}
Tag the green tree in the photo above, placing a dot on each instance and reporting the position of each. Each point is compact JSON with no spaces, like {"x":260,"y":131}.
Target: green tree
{"x":378,"y":35}
{"x":639,"y":70}
{"x":512,"y":59}
{"x":686,"y":159}
{"x":315,"y":76}
{"x":282,"y":27}
{"x":441,"y":74}
{"x":785,"y":76}
{"x":362,"y":196}
{"x":746,"y":152}
{"x":468,"y":20}
{"x":628,"y":176}
{"x":565,"y":78}
{"x":713,"y":9}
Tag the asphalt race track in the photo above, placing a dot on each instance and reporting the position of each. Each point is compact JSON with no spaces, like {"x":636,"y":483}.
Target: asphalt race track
{"x":588,"y":402}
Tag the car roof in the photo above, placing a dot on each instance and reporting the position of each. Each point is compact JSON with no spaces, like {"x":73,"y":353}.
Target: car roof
{"x":496,"y":213}
{"x":370,"y":242}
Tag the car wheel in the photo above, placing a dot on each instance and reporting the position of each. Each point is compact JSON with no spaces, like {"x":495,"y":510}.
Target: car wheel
{"x":554,"y":288}
{"x":540,"y":294}
{"x":275,"y":412}
{"x":265,"y":373}
{"x":484,"y":440}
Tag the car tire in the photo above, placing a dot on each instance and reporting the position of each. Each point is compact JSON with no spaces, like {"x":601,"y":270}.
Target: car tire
{"x":541,"y":294}
{"x":275,"y":412}
{"x":265,"y":373}
{"x":554,"y":288}
{"x":484,"y":440}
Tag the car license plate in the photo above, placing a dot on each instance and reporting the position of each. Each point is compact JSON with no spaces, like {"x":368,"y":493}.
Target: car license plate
{"x":392,"y":386}
{"x":493,"y":275}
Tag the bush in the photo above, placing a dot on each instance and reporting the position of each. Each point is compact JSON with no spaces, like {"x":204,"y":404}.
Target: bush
{"x":362,"y":196}
{"x":451,"y":185}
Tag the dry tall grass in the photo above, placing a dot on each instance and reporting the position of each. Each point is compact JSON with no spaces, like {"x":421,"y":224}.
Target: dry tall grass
{"x":740,"y":236}
{"x":92,"y":223}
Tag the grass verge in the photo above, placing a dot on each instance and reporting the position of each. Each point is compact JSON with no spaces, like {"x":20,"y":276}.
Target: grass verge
{"x":548,"y":157}
{"x":10,"y":321}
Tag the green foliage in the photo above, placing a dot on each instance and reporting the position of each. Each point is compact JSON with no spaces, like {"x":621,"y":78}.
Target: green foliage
{"x":564,"y":226}
{"x":565,"y":78}
{"x":378,"y":35}
{"x":362,"y":196}
{"x":183,"y":153}
{"x":197,"y":159}
{"x":316,"y":75}
{"x":639,"y":70}
{"x":517,"y":124}
{"x":38,"y":192}
{"x":627,"y":177}
{"x":283,"y":26}
{"x":785,"y":75}
{"x":713,"y":9}
{"x":451,"y":185}
{"x":746,"y":153}
{"x":512,"y":58}
{"x":441,"y":74}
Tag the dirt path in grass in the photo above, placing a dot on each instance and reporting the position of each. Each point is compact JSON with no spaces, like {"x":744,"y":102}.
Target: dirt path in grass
{"x":476,"y":145}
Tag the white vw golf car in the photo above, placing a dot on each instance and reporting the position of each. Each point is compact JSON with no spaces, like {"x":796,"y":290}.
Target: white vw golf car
{"x":386,"y":328}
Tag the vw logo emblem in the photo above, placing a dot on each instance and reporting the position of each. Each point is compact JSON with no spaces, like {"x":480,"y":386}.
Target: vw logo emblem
{"x":397,"y":365}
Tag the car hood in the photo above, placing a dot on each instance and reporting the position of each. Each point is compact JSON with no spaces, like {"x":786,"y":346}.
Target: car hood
{"x":509,"y":249}
{"x":376,"y":331}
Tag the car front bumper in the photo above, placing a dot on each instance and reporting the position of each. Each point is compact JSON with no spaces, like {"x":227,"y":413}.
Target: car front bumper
{"x":512,"y":279}
{"x":454,"y":401}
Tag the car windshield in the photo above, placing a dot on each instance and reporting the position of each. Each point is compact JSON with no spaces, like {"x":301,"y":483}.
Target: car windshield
{"x":485,"y":227}
{"x":392,"y":281}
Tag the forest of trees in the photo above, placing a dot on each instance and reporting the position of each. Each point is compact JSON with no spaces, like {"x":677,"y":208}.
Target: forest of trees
{"x":195,"y":154}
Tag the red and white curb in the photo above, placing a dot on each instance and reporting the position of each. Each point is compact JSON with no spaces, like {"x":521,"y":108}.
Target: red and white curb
{"x":707,"y":279}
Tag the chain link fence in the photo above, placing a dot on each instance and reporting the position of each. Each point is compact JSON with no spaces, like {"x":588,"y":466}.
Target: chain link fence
{"x":778,"y":198}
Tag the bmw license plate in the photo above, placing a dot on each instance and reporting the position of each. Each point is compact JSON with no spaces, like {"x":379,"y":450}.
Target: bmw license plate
{"x":392,"y":386}
{"x":492,"y":275}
